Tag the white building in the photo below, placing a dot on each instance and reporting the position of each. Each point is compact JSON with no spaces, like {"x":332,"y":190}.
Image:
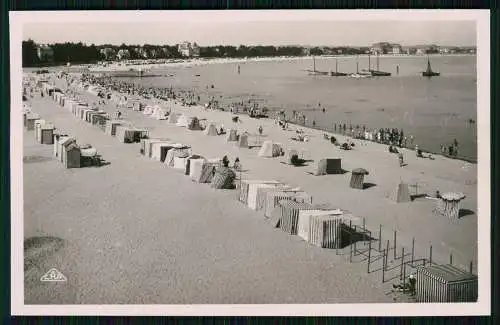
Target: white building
{"x":189,"y":50}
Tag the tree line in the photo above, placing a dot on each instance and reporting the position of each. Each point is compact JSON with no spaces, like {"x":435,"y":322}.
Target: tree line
{"x":78,"y":53}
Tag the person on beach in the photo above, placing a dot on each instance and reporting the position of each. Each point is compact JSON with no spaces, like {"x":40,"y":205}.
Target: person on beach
{"x":260,"y":130}
{"x":401,"y":160}
{"x":237,"y":164}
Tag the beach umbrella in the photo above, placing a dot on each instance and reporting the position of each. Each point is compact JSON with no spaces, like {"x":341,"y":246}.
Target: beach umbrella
{"x":357,"y":178}
{"x":361,"y":171}
{"x":449,"y":205}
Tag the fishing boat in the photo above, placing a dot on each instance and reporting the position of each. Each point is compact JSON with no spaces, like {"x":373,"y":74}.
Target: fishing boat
{"x":337,"y":73}
{"x":429,"y":73}
{"x":377,"y":73}
{"x":316,"y":72}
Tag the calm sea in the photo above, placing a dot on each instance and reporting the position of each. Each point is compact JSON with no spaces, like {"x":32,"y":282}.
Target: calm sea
{"x":435,"y":111}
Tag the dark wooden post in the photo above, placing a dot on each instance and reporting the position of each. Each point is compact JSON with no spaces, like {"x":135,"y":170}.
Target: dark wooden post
{"x":430,"y":255}
{"x":395,"y":244}
{"x":402,"y":262}
{"x":350,"y":250}
{"x":451,"y":259}
{"x":364,"y":229}
{"x":380,"y":238}
{"x":384,"y":261}
{"x":369,"y":256}
{"x":412,"y":251}
{"x":470,"y":267}
{"x":386,"y":253}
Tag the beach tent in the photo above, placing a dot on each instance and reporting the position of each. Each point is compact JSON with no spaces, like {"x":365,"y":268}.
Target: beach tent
{"x":401,"y":194}
{"x":303,"y":224}
{"x":187,"y":170}
{"x":128,"y":134}
{"x":445,"y":283}
{"x":211,"y":129}
{"x":232,"y":135}
{"x":449,"y":205}
{"x":245,"y":188}
{"x":71,"y":155}
{"x":274,"y":197}
{"x":194,"y":123}
{"x":47,"y":134}
{"x":206,"y":174}
{"x":111,"y":126}
{"x":177,"y":150}
{"x":182,"y":121}
{"x":270,"y":149}
{"x":326,"y":231}
{"x":357,"y":178}
{"x":223,"y":178}
{"x":88,"y":155}
{"x":180,"y":160}
{"x":290,"y":215}
{"x":159,"y":149}
{"x":243,"y":140}
{"x":266,"y":188}
{"x":327,"y":166}
{"x":146,"y":145}
{"x":158,"y":113}
{"x":253,"y":192}
{"x":172,"y":118}
{"x":195,"y":168}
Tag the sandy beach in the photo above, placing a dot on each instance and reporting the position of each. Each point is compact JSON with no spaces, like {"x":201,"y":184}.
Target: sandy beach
{"x":140,"y":232}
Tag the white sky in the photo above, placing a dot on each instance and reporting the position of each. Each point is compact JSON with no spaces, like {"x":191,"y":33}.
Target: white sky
{"x":213,"y":29}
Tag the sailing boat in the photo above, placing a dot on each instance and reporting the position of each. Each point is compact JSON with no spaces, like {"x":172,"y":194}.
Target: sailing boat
{"x":429,"y":73}
{"x":358,"y":75}
{"x":378,"y":73}
{"x":314,"y":71}
{"x":337,"y":73}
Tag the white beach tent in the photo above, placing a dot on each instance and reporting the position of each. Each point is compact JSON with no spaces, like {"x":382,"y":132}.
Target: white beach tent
{"x":270,"y":149}
{"x":253,"y":191}
{"x":305,"y":220}
{"x":156,"y":148}
{"x":232,"y":136}
{"x":172,"y":118}
{"x":211,"y":129}
{"x":182,"y":121}
{"x":401,"y":194}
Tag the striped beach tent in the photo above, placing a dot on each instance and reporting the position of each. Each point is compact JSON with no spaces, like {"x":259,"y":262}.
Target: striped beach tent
{"x":208,"y":170}
{"x":245,"y":185}
{"x":262,"y":194}
{"x":290,"y":215}
{"x":445,"y":283}
{"x":177,"y":150}
{"x":146,"y":145}
{"x":195,"y":168}
{"x":326,"y":231}
{"x":111,"y":126}
{"x":232,"y":135}
{"x":223,"y":178}
{"x":270,"y":149}
{"x":159,"y":149}
{"x":253,"y":191}
{"x":274,"y":197}
{"x":303,"y":224}
{"x":243,"y":140}
{"x":211,"y":129}
{"x":187,"y":171}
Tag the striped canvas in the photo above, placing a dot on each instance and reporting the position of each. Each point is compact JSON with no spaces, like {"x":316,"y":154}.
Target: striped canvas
{"x":325,"y":231}
{"x":253,"y":193}
{"x":245,"y":187}
{"x":305,"y":219}
{"x":290,"y":215}
{"x":274,"y":197}
{"x":262,"y":194}
{"x":445,"y":283}
{"x":196,"y":168}
{"x":208,"y":171}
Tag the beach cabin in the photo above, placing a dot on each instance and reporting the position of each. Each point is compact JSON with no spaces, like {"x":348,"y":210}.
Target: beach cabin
{"x":159,"y":149}
{"x":111,"y":126}
{"x":47,"y":134}
{"x":270,"y":149}
{"x":180,"y":160}
{"x":176,"y":150}
{"x":252,"y":196}
{"x":38,"y":125}
{"x":290,"y":215}
{"x":30,"y":121}
{"x":61,"y":145}
{"x":187,"y":170}
{"x":245,"y":188}
{"x":445,"y":283}
{"x":327,"y":166}
{"x":128,"y":134}
{"x":203,"y":171}
{"x":71,"y":155}
{"x":88,"y":156}
{"x":262,"y":190}
{"x":274,"y":197}
{"x":304,"y":222}
{"x":146,"y":145}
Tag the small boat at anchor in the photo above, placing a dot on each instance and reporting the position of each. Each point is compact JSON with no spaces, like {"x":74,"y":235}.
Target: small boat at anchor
{"x":429,"y":73}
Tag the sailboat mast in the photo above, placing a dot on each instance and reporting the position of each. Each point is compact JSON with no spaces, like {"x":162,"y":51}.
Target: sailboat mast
{"x":369,"y":63}
{"x":314,"y":64}
{"x":336,"y":66}
{"x":357,"y":67}
{"x":378,"y":68}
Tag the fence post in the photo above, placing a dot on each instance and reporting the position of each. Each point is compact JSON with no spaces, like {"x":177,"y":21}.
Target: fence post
{"x":402,"y":262}
{"x":470,"y":267}
{"x":369,"y":255}
{"x":380,"y":238}
{"x":384,"y":256}
{"x":364,"y":229}
{"x":395,"y":244}
{"x":412,"y":251}
{"x":386,"y":253}
{"x":350,"y":251}
{"x":430,"y":255}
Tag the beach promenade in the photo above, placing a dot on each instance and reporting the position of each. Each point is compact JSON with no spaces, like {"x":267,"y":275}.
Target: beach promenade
{"x":140,"y":232}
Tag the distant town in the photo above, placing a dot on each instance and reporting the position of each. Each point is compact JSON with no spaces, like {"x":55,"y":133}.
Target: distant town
{"x":60,"y":53}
